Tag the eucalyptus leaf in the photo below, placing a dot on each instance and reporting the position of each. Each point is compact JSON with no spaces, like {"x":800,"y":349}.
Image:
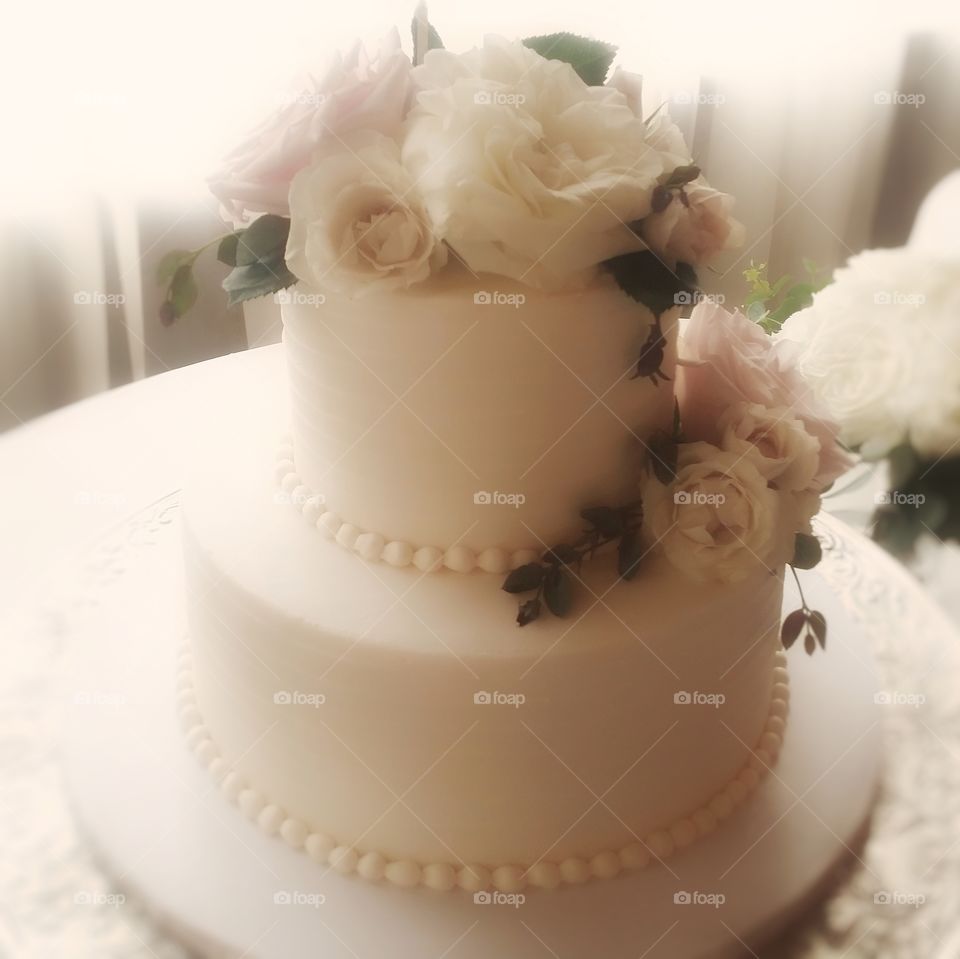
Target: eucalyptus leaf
{"x":807,"y":551}
{"x":227,"y":248}
{"x":524,"y":578}
{"x":529,"y":611}
{"x":264,"y":241}
{"x":606,"y":520}
{"x":792,"y":627}
{"x":256,"y":279}
{"x":590,"y":58}
{"x":557,"y":592}
{"x":810,"y":644}
{"x":171,"y":262}
{"x":183,"y":289}
{"x":818,"y":626}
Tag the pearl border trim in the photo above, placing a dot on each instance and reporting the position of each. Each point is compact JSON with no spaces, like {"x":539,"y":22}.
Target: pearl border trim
{"x":376,"y":548}
{"x":507,"y":878}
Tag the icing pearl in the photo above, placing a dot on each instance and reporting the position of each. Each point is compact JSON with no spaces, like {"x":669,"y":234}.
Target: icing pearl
{"x":294,"y":832}
{"x":544,"y":875}
{"x":780,"y":708}
{"x":440,"y":876}
{"x":473,"y":878}
{"x":770,"y":742}
{"x":459,"y":558}
{"x":761,"y":760}
{"x":285,"y":451}
{"x":328,"y":524}
{"x":660,"y":844}
{"x":605,"y":865}
{"x":781,"y":691}
{"x":344,"y":859}
{"x":779,"y":676}
{"x":494,"y":560}
{"x":403,"y":873}
{"x":250,"y":803}
{"x":190,"y":716}
{"x":301,"y":495}
{"x":398,"y":554}
{"x":705,"y":821}
{"x":776,"y":724}
{"x":184,"y":693}
{"x":369,"y":546}
{"x":736,"y":792}
{"x":521,"y":557}
{"x":750,"y":779}
{"x":371,"y":866}
{"x":290,"y":482}
{"x":347,"y":535}
{"x":283,"y":469}
{"x":508,"y":878}
{"x":319,"y":847}
{"x":196,"y":735}
{"x":721,"y":806}
{"x":683,"y":833}
{"x":206,"y":752}
{"x":313,"y":509}
{"x":271,"y":819}
{"x":428,"y":559}
{"x":218,"y":770}
{"x":634,"y":856}
{"x":574,"y":870}
{"x":231,"y":786}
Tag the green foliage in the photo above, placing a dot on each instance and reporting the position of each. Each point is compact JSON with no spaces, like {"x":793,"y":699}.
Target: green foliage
{"x":433,"y":40}
{"x":806,"y":622}
{"x":769,"y":304}
{"x":590,"y":58}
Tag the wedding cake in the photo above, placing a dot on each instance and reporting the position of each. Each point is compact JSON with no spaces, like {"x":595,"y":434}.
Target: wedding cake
{"x":499,"y":604}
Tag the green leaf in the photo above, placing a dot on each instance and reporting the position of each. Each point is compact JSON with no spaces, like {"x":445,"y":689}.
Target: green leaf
{"x":529,"y":611}
{"x":664,"y":451}
{"x":810,"y":644}
{"x":256,"y":279}
{"x":680,"y":176}
{"x":557,"y":591}
{"x":227,"y":248}
{"x":818,"y":626}
{"x":264,"y":241}
{"x":433,"y":40}
{"x":183,"y":289}
{"x":607,"y":521}
{"x":807,"y":551}
{"x":172,"y":262}
{"x":563,"y":553}
{"x":590,"y":58}
{"x":629,"y":554}
{"x":524,"y":578}
{"x":652,"y":282}
{"x":792,"y":627}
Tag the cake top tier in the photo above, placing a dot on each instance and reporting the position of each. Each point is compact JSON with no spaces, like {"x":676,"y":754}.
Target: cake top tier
{"x":472,"y":410}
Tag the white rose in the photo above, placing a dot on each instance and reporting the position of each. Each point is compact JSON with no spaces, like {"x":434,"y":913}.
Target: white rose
{"x":786,"y":455}
{"x":357,"y":223}
{"x":878,"y":347}
{"x":695,"y":225}
{"x":718,"y":520}
{"x":665,"y":137}
{"x":526,"y":171}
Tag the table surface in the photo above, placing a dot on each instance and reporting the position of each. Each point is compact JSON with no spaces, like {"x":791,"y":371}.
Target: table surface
{"x":76,"y":473}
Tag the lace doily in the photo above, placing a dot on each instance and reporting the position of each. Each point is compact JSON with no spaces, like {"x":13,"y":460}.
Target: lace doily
{"x":899,"y":898}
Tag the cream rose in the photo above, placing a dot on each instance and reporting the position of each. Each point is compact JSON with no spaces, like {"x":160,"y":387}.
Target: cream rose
{"x":357,"y":223}
{"x":718,"y":520}
{"x":526,"y":171}
{"x":695,"y":225}
{"x":785,"y":454}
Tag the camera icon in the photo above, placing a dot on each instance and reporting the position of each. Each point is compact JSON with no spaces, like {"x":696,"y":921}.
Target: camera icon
{"x":882,"y":97}
{"x":883,"y":698}
{"x":283,"y":297}
{"x":282,"y":697}
{"x":882,"y":298}
{"x":482,"y":698}
{"x":882,"y":898}
{"x":682,"y":698}
{"x":682,"y":97}
{"x":483,"y":97}
{"x":82,"y":298}
{"x":883,"y":499}
{"x":82,"y":899}
{"x":682,"y":899}
{"x":682,"y":497}
{"x":482,"y":498}
{"x":682,"y":298}
{"x":482,"y":298}
{"x":482,"y":898}
{"x":281,"y":898}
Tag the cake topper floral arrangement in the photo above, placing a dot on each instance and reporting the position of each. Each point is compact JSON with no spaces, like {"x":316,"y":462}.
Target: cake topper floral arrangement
{"x":532,"y":160}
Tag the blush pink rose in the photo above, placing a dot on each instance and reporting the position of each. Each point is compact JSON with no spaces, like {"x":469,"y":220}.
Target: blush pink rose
{"x":727,"y":360}
{"x":358,"y":92}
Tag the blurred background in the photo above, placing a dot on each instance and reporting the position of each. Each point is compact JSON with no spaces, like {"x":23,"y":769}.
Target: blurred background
{"x":830,"y":122}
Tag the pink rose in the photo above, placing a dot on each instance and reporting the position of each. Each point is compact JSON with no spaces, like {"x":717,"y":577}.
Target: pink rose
{"x":357,"y":92}
{"x":695,"y":225}
{"x":729,"y":360}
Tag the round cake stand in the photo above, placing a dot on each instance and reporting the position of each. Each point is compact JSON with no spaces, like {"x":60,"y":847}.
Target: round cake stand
{"x":168,"y":837}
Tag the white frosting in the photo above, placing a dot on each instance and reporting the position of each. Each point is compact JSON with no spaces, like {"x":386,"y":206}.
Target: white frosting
{"x":398,"y":659}
{"x":408,"y":406}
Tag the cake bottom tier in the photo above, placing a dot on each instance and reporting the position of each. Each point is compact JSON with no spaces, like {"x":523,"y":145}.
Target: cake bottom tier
{"x":399,"y":725}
